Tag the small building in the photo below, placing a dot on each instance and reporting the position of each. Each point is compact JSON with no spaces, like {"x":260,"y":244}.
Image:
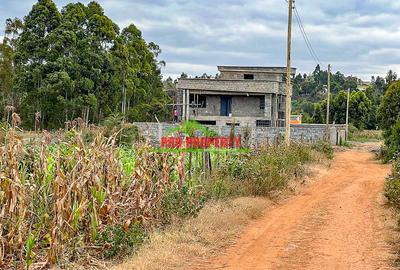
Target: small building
{"x":296,"y":119}
{"x":363,"y":85}
{"x":253,"y":96}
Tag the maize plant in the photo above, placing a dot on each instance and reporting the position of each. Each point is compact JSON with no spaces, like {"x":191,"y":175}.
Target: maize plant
{"x":56,"y":199}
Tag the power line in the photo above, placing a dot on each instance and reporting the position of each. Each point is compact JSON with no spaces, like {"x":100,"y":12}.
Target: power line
{"x":305,"y":36}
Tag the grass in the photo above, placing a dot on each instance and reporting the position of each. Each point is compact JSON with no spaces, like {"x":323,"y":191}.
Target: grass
{"x":181,"y":245}
{"x":366,"y":136}
{"x":263,"y":172}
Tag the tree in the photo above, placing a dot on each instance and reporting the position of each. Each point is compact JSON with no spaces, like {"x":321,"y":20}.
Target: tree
{"x":391,"y":76}
{"x":7,"y":62}
{"x":359,"y":109}
{"x":389,"y":109}
{"x":389,"y":119}
{"x":77,"y":63}
{"x":339,"y":106}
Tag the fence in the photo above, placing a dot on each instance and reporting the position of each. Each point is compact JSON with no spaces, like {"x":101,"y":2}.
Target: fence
{"x":255,"y":135}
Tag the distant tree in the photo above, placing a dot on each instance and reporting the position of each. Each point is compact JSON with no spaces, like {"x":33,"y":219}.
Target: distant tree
{"x":391,"y":76}
{"x":339,"y":105}
{"x":360,"y":107}
{"x":379,"y":84}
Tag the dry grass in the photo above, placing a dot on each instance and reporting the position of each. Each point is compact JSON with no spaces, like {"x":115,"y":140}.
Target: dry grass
{"x":184,"y":245}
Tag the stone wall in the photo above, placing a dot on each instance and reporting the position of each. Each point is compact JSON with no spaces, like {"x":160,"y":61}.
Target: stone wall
{"x":258,"y":135}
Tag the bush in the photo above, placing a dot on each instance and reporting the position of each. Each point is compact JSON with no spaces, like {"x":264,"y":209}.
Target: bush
{"x":392,"y":141}
{"x":182,"y":202}
{"x":259,"y":173}
{"x":389,"y":120}
{"x":392,"y":185}
{"x":324,"y":147}
{"x":126,"y":133}
{"x":120,"y":241}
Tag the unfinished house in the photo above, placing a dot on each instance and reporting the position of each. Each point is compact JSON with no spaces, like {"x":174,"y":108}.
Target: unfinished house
{"x":253,"y":96}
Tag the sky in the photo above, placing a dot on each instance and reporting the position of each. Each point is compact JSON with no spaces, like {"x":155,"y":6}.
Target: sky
{"x":357,"y":37}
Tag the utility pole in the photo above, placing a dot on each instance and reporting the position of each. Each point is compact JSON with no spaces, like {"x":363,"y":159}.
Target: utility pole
{"x":347,"y":113}
{"x":328,"y":102}
{"x":288,"y":105}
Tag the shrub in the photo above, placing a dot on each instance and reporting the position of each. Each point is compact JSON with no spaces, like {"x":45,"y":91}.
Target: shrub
{"x":260,"y":172}
{"x":126,"y":133}
{"x":120,"y":241}
{"x":389,"y":121}
{"x":392,"y":141}
{"x":182,"y":202}
{"x":324,"y":147}
{"x":392,"y":185}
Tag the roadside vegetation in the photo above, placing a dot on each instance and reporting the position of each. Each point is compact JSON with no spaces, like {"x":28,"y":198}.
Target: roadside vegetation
{"x":76,"y":196}
{"x":389,"y":117}
{"x":358,"y":135}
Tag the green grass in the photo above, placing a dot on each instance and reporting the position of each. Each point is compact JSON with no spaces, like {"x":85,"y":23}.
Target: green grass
{"x":366,"y":136}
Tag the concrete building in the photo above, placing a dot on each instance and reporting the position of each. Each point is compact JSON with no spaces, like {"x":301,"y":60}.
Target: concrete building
{"x":363,"y":85}
{"x":242,"y":96}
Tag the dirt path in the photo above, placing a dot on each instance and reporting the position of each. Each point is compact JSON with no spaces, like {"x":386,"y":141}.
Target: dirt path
{"x":335,"y":223}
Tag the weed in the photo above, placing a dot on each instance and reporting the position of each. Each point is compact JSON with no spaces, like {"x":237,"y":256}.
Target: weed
{"x":121,"y":240}
{"x":324,"y":147}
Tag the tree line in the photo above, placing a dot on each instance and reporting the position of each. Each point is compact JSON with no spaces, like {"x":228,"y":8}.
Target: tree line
{"x":310,"y":98}
{"x":77,"y":63}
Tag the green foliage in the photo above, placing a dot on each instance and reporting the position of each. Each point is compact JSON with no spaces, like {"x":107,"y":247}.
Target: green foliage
{"x":359,"y":109}
{"x":182,"y":202}
{"x":389,"y":109}
{"x":260,"y":173}
{"x":120,"y":241}
{"x":310,"y":98}
{"x":364,"y":135}
{"x":392,"y":185}
{"x":389,"y":119}
{"x":392,"y":141}
{"x":77,"y":63}
{"x":126,"y":133}
{"x":324,"y":147}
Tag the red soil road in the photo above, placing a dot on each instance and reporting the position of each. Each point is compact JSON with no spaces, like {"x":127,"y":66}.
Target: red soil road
{"x":335,"y":223}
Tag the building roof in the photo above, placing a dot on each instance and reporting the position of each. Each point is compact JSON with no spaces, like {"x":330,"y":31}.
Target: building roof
{"x":255,"y":69}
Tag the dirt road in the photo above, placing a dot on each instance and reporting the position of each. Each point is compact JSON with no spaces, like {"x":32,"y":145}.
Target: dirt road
{"x":335,"y":223}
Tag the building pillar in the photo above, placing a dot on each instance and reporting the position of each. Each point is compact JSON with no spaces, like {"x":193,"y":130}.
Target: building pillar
{"x":187,"y":104}
{"x":183,"y":104}
{"x":274,"y":111}
{"x":268,"y":107}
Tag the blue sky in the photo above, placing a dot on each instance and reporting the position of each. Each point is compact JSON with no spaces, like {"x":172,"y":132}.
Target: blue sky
{"x":357,"y":37}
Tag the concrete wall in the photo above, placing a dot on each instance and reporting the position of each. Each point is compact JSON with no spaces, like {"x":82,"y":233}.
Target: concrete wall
{"x":236,"y":86}
{"x":213,"y":107}
{"x":247,"y":106}
{"x":258,"y":135}
{"x":241,"y":106}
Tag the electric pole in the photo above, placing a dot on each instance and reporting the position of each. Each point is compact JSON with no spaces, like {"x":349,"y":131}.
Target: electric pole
{"x":347,"y":113}
{"x":328,"y":102}
{"x":288,"y":105}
